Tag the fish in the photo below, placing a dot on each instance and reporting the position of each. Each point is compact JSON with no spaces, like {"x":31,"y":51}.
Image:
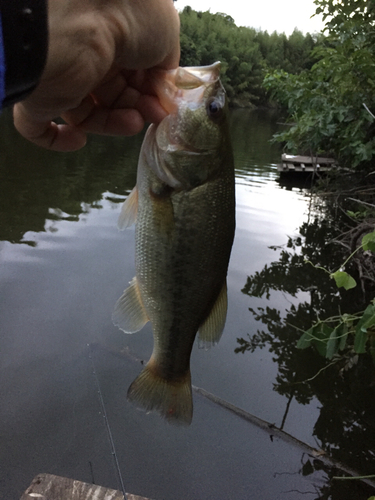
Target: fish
{"x":183,"y":205}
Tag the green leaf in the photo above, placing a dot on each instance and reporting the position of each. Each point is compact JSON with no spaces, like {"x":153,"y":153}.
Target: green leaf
{"x":369,"y":323}
{"x":305,"y":340}
{"x":343,"y":279}
{"x":320,"y":336}
{"x":324,"y":335}
{"x":343,"y":334}
{"x":368,"y":241}
{"x":367,"y":320}
{"x":316,"y":336}
{"x":354,"y":215}
{"x":333,"y":344}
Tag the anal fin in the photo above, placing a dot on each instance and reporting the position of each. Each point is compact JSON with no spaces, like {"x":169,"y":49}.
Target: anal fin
{"x":210,"y":331}
{"x":129,"y":313}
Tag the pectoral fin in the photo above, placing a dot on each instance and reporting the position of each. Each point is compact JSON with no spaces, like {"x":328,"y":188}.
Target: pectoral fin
{"x":129,"y":210}
{"x":129,"y":313}
{"x":210,"y":331}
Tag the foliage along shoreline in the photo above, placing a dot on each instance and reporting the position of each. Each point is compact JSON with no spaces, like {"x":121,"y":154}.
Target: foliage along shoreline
{"x":324,"y":82}
{"x":331,"y":106}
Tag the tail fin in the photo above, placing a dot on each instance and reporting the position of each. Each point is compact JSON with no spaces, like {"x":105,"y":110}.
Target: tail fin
{"x":171,"y":399}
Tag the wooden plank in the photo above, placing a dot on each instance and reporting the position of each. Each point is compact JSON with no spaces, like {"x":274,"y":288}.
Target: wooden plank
{"x":310,"y":160}
{"x":293,"y":168}
{"x":308,"y":164}
{"x":50,"y":487}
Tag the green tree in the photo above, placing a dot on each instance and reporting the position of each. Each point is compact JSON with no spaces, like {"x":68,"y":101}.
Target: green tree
{"x":331,"y":106}
{"x":245,"y":53}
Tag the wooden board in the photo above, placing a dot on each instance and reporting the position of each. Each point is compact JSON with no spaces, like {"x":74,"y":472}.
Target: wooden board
{"x":302,"y":167}
{"x":50,"y":487}
{"x":308,"y":160}
{"x":305,"y":164}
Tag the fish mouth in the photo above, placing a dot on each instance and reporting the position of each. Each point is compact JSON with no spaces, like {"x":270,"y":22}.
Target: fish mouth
{"x":195,"y":76}
{"x":186,"y":87}
{"x":187,"y":83}
{"x":180,"y":91}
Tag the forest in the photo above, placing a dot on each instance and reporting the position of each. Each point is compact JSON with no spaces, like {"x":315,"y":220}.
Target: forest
{"x":246,"y":54}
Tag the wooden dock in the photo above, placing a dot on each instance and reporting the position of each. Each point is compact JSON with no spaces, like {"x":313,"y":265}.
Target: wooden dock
{"x":50,"y":487}
{"x":291,"y":163}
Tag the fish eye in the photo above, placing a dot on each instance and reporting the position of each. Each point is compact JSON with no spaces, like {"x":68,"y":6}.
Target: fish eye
{"x":214,"y":108}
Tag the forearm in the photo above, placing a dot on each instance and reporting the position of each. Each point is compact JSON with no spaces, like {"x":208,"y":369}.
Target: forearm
{"x":24,"y":43}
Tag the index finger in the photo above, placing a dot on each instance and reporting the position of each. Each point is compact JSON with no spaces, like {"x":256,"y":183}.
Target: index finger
{"x":48,"y":134}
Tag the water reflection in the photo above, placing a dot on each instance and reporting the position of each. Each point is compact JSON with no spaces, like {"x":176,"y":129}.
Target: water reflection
{"x":38,"y":186}
{"x":251,"y":133}
{"x":300,"y":180}
{"x":345,"y":427}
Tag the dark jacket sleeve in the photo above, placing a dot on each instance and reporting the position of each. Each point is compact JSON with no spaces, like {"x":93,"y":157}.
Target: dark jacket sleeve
{"x":24,"y":45}
{"x":2,"y":66}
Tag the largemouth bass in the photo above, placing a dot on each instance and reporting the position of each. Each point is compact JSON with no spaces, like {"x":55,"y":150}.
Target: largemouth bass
{"x":184,"y":207}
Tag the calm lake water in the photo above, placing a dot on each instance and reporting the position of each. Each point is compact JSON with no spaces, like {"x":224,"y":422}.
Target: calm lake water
{"x":63,"y":265}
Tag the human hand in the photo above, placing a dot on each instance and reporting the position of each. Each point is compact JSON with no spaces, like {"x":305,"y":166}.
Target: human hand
{"x":100,"y":56}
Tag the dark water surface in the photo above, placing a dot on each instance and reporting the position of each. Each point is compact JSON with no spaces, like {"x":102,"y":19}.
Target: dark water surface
{"x":63,"y":265}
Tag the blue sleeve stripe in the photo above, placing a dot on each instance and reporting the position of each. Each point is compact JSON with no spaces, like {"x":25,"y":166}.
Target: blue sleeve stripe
{"x":2,"y":67}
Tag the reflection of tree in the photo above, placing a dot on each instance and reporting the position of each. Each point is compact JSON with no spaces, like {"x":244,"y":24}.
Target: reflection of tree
{"x":33,"y":180}
{"x":345,"y":427}
{"x":38,"y":185}
{"x":260,"y":125}
{"x":333,"y":489}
